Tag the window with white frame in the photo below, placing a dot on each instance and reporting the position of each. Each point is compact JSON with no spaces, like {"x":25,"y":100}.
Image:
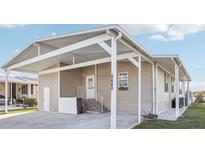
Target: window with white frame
{"x":123,"y":81}
{"x":24,"y":89}
{"x":165,"y":82}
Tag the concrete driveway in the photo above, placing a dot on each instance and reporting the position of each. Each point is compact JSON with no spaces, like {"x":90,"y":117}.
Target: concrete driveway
{"x":46,"y":120}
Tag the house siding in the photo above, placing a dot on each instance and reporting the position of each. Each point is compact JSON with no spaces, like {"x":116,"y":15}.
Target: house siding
{"x":69,"y":80}
{"x":127,"y":100}
{"x":162,"y":96}
{"x":51,"y":81}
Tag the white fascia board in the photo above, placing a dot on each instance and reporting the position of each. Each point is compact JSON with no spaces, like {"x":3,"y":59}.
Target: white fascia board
{"x":15,"y":55}
{"x":63,"y":50}
{"x":178,"y":62}
{"x":79,"y":32}
{"x":89,"y":63}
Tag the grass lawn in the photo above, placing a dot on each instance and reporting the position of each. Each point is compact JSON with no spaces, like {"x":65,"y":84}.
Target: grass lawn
{"x":194,"y":117}
{"x":19,"y":110}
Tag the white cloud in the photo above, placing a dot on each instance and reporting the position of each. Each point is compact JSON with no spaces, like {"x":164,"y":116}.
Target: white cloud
{"x":10,"y":25}
{"x":53,"y":34}
{"x":197,"y":86}
{"x":158,"y":37}
{"x":165,"y":32}
{"x":178,"y":32}
{"x":145,"y":28}
{"x":17,"y":50}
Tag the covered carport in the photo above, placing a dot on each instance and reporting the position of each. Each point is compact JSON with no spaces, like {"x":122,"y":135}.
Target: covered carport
{"x":81,"y":49}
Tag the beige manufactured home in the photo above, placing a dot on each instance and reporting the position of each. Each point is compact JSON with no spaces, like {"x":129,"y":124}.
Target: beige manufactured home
{"x":19,"y":87}
{"x":104,"y":70}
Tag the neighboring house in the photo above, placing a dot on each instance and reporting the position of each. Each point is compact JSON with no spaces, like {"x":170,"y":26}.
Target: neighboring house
{"x":106,"y":69}
{"x":19,"y":87}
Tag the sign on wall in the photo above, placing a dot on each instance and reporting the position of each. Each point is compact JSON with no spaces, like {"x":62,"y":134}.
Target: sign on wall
{"x":123,"y":81}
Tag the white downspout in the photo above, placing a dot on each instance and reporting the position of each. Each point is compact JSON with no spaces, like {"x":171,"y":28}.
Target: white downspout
{"x":39,"y":48}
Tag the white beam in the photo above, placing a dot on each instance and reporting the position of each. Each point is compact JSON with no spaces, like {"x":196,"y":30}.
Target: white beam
{"x":88,"y":63}
{"x":136,"y":63}
{"x":139,"y":91}
{"x":105,"y":47}
{"x":161,"y":67}
{"x":113,"y":118}
{"x":176,"y":90}
{"x":134,"y":49}
{"x":63,"y":50}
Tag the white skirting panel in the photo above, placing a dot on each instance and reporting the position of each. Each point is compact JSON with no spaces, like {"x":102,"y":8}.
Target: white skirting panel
{"x":68,"y":105}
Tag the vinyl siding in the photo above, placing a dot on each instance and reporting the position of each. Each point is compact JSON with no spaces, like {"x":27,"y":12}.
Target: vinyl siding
{"x":147,"y":87}
{"x":127,"y":100}
{"x":51,"y":81}
{"x":162,"y":96}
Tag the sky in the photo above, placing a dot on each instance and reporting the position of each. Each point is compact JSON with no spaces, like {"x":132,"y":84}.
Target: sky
{"x":188,"y":41}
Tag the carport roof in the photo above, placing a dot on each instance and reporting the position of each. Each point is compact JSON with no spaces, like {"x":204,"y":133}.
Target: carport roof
{"x":22,"y":80}
{"x":59,"y":41}
{"x":99,"y":30}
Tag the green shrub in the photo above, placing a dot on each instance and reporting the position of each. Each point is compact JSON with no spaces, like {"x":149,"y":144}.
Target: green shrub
{"x":19,"y":101}
{"x":31,"y":102}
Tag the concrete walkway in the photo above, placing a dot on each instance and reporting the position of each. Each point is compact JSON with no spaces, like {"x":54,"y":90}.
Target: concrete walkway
{"x":10,"y":107}
{"x":46,"y":120}
{"x":170,"y":114}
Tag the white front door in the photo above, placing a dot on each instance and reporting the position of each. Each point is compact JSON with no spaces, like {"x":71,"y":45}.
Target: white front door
{"x":90,"y":86}
{"x":46,"y":98}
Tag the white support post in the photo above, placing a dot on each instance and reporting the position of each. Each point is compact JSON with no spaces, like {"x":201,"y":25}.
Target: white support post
{"x":176,"y":90}
{"x":29,"y":90}
{"x":6,"y":90}
{"x":170,"y":91}
{"x":11,"y":99}
{"x":153,"y":89}
{"x":114,"y":83}
{"x":188,"y":94}
{"x":139,"y":90}
{"x":156,"y":89}
{"x":38,"y":92}
{"x":73,"y":59}
{"x":96,"y":83}
{"x":184,"y":94}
